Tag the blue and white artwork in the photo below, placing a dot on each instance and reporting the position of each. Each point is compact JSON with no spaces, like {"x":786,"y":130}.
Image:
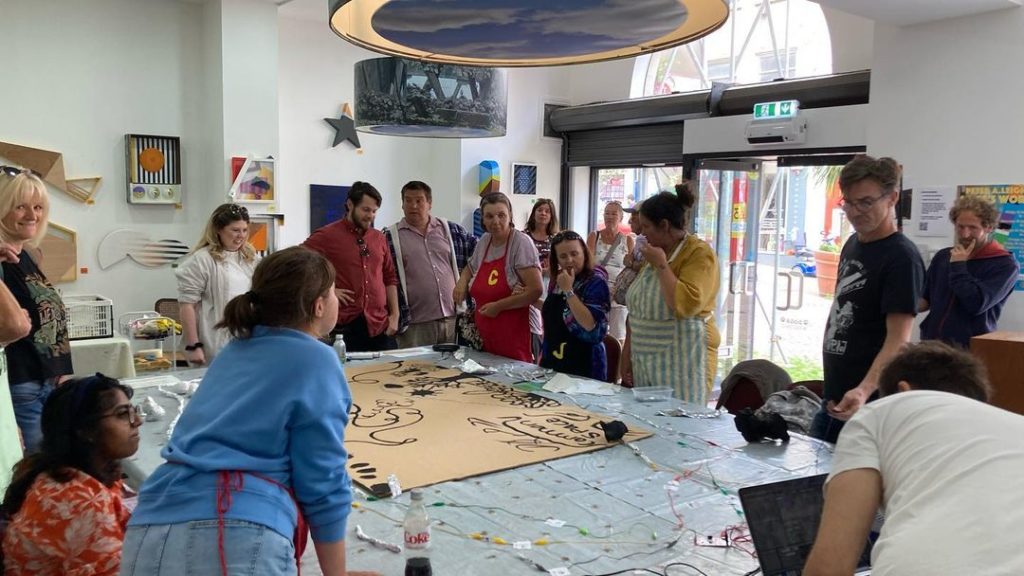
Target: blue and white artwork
{"x":516,"y":29}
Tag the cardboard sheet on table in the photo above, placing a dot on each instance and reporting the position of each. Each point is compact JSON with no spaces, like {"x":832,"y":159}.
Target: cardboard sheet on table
{"x":427,"y":424}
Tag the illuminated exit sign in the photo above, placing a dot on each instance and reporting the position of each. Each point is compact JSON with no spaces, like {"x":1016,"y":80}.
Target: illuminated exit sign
{"x":773,"y":110}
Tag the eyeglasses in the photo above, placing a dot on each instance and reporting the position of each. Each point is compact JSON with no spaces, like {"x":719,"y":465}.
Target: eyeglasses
{"x":363,"y":250}
{"x":566,"y":235}
{"x":862,"y":205}
{"x":124,"y":412}
{"x":13,"y":171}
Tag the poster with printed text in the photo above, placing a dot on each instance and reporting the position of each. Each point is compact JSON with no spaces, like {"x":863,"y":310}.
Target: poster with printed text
{"x":1009,"y":230}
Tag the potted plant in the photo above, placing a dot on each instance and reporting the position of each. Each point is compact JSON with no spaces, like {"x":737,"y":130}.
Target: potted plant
{"x":826,"y":262}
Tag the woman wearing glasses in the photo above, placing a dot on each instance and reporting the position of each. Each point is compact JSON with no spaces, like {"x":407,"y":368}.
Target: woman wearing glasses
{"x":219,"y":268}
{"x":39,"y":361}
{"x":673,"y":339}
{"x":575,"y":311}
{"x":503,"y":260}
{"x":65,"y":502}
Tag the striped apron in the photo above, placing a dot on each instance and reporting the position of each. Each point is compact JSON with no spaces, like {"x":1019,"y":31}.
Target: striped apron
{"x":666,"y":351}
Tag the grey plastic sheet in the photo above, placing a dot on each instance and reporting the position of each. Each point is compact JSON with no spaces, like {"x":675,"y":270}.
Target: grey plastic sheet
{"x":598,"y":512}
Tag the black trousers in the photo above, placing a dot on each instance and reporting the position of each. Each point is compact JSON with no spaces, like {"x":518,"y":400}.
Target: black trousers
{"x":357,"y":337}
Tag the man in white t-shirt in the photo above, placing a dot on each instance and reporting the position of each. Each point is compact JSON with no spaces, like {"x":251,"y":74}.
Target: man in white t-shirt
{"x":947,"y":469}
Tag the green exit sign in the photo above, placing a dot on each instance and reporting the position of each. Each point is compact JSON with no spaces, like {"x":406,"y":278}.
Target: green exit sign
{"x":772,"y":110}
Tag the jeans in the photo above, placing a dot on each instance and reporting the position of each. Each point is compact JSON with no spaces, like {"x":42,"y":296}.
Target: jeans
{"x":358,"y":339}
{"x":824,"y":426}
{"x":191,"y":548}
{"x":28,"y":399}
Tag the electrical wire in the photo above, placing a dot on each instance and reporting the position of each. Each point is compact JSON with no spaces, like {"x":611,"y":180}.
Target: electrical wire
{"x":684,"y":564}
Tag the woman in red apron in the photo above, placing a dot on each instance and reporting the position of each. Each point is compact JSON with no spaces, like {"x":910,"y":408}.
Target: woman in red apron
{"x":502,"y":315}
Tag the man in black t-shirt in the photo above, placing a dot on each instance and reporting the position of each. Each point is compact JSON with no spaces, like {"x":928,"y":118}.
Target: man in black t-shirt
{"x":881,"y":278}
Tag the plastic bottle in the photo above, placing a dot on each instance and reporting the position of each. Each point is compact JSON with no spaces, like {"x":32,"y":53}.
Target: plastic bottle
{"x":417,"y":537}
{"x":339,"y":348}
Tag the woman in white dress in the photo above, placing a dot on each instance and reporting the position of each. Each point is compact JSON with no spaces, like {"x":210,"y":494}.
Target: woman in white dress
{"x":219,"y":268}
{"x":609,"y":247}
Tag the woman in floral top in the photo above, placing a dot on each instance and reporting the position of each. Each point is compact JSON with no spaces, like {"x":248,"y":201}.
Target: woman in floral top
{"x":65,"y":502}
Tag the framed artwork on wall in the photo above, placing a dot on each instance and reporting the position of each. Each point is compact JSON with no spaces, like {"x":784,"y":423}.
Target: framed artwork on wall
{"x":263,"y":233}
{"x":524,"y":178}
{"x":326,"y":204}
{"x":252,"y":180}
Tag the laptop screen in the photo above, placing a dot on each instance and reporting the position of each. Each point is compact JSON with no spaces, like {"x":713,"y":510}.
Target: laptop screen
{"x":783,"y":519}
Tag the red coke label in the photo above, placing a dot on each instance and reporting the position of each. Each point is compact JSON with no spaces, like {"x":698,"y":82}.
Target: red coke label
{"x":419,"y":540}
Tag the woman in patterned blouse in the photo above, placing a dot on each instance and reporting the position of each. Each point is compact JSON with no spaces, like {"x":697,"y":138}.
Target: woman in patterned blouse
{"x":65,"y":502}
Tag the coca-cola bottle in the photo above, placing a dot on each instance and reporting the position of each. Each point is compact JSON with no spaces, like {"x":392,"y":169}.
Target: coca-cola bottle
{"x":417,"y":537}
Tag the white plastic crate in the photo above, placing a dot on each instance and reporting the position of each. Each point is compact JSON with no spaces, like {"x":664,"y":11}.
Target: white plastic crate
{"x":89,"y":316}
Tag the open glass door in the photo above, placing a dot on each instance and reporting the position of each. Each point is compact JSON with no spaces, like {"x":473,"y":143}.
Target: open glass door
{"x":728,"y":198}
{"x":797,"y":256}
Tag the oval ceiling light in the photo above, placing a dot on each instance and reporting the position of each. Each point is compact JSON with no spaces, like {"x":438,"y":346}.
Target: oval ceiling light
{"x":402,"y":97}
{"x":509,"y":33}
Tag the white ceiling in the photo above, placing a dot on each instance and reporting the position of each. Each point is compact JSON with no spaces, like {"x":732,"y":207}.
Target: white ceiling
{"x":893,"y":12}
{"x":909,"y":12}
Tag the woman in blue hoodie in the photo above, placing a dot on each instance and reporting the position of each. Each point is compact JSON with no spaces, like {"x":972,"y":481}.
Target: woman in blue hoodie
{"x":258,"y":454}
{"x":968,"y":284}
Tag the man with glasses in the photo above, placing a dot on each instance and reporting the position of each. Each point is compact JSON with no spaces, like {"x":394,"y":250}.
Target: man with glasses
{"x":429,"y":254}
{"x":366,"y":281}
{"x":881,"y":277}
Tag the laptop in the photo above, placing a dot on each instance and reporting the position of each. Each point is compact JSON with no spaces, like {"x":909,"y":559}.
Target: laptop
{"x":783,"y":519}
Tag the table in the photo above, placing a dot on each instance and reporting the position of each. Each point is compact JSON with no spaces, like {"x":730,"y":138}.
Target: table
{"x":618,"y":512}
{"x":111,"y":356}
{"x":1002,"y":353}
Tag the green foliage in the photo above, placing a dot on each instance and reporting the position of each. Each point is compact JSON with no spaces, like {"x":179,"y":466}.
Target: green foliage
{"x":804,"y":368}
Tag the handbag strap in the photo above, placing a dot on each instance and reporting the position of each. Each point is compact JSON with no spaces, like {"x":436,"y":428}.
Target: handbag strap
{"x":611,"y":249}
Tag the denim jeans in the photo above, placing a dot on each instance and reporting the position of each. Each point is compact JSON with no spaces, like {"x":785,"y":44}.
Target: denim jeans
{"x":191,"y":548}
{"x":28,"y":399}
{"x":824,"y":426}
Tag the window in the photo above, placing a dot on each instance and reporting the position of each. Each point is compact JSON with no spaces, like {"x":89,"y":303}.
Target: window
{"x":719,"y":70}
{"x":770,"y":65}
{"x":630,"y":185}
{"x":743,"y":51}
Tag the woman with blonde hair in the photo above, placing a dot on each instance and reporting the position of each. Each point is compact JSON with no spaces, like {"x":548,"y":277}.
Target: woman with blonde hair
{"x":39,"y":361}
{"x":608,"y":248}
{"x":219,"y":268}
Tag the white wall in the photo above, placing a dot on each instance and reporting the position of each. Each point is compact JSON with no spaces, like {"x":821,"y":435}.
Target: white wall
{"x":315,"y":77}
{"x":852,"y":40}
{"x":528,"y":89}
{"x":949,"y":110}
{"x":77,"y":77}
{"x":248,"y":64}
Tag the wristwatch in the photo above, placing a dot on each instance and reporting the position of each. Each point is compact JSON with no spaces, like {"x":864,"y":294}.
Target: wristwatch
{"x":568,"y":294}
{"x":191,"y":347}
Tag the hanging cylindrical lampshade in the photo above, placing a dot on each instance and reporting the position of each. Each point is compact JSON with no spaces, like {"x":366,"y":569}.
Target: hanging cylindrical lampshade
{"x":402,"y":97}
{"x":509,"y":33}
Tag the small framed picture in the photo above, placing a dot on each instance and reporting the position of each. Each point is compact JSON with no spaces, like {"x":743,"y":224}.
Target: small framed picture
{"x":524,"y":178}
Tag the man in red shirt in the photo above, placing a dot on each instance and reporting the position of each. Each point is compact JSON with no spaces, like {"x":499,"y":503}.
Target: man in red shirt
{"x":366,"y":281}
